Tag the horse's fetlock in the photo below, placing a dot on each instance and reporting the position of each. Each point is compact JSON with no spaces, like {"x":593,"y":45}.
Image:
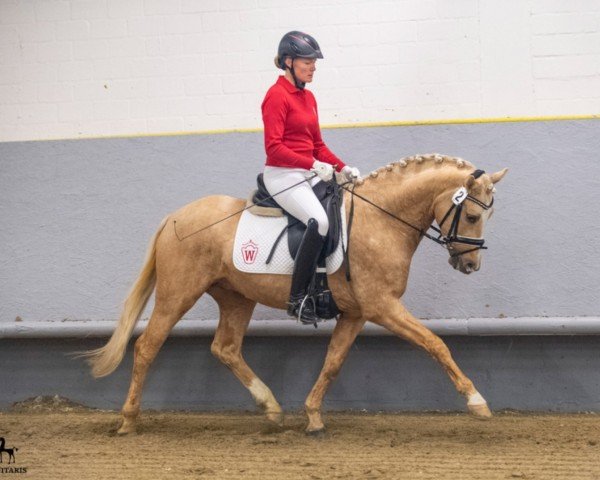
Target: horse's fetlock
{"x":310,"y":409}
{"x":467,"y":388}
{"x":130,"y":412}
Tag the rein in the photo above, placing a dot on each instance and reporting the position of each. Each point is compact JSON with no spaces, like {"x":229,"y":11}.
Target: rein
{"x":443,"y":240}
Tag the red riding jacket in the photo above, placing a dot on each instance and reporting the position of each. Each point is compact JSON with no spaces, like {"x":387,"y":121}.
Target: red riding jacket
{"x":292,"y":132}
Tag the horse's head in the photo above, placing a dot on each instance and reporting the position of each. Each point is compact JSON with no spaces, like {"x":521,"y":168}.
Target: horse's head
{"x":462,"y":214}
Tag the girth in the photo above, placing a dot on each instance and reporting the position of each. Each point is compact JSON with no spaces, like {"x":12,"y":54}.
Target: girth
{"x":330,"y":196}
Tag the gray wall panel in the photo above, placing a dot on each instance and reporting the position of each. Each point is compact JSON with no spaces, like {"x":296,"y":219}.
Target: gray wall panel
{"x":77,"y":215}
{"x":380,"y":373}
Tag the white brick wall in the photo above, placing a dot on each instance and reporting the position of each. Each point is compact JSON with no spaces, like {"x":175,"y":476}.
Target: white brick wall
{"x":71,"y":68}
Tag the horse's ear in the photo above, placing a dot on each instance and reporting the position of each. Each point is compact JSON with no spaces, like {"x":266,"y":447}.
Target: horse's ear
{"x":496,"y":177}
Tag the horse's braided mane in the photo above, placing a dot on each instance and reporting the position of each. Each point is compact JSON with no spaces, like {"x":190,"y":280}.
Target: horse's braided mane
{"x":430,"y":159}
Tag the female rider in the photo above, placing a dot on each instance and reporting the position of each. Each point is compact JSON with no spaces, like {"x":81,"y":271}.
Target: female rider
{"x":295,"y":150}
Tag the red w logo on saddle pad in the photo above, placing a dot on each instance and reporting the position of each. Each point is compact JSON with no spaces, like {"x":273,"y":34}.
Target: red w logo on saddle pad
{"x":249,"y":251}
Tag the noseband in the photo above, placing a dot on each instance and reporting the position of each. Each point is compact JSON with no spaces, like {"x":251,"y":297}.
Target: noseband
{"x":453,"y":237}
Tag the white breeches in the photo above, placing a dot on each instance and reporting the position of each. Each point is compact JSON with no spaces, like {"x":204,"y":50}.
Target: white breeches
{"x":299,"y":201}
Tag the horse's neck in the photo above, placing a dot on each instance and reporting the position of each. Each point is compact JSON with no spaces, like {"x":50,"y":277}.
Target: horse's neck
{"x":410,"y":195}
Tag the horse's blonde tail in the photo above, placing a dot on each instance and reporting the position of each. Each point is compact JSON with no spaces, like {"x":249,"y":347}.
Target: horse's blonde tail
{"x":106,"y":359}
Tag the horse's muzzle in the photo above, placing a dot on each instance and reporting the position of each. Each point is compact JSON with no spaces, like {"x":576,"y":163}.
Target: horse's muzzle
{"x":463,"y":265}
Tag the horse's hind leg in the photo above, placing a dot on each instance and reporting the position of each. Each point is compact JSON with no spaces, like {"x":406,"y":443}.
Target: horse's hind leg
{"x":235,"y":313}
{"x":168,"y":309}
{"x":343,"y":337}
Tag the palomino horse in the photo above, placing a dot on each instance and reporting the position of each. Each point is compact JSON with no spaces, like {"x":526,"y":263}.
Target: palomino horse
{"x":417,"y":189}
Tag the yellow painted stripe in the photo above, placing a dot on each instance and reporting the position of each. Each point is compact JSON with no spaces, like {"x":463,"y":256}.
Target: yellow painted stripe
{"x":407,"y":123}
{"x":410,"y":123}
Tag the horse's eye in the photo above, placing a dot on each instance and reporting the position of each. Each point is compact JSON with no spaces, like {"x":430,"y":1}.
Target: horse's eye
{"x":472,"y":218}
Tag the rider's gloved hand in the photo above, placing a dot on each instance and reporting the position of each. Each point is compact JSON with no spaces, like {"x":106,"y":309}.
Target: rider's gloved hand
{"x":323,"y":170}
{"x":350,"y":174}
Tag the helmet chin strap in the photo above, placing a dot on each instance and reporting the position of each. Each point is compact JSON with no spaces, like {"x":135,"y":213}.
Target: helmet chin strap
{"x":298,"y":84}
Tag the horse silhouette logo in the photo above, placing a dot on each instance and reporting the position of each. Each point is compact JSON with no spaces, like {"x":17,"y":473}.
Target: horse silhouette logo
{"x":249,"y":251}
{"x":10,"y":451}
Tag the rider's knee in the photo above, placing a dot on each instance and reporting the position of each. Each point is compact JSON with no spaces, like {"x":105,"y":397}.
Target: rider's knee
{"x":322,"y":224}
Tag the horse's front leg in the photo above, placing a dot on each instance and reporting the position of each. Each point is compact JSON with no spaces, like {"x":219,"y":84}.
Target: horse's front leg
{"x":397,"y":319}
{"x":344,"y":334}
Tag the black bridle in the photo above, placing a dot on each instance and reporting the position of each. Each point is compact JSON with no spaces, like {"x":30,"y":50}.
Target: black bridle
{"x":458,"y":200}
{"x":453,"y":236}
{"x":447,"y":241}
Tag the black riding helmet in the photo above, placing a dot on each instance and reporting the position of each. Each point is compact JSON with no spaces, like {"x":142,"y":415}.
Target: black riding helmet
{"x":297,"y":44}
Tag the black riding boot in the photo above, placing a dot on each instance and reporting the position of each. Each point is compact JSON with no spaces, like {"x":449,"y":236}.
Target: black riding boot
{"x":301,"y":305}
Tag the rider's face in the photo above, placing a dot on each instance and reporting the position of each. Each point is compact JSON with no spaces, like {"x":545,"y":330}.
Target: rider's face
{"x":304,"y":68}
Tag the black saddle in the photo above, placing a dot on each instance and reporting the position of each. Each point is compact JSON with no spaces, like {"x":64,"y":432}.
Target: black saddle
{"x":330,"y":196}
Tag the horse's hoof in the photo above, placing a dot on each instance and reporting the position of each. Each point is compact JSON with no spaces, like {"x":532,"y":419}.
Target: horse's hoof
{"x":126,"y":428}
{"x":481,"y":411}
{"x":320,"y":433}
{"x":276,"y":418}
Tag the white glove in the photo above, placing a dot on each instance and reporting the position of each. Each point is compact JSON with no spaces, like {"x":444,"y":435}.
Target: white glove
{"x":351,"y":174}
{"x":323,"y":170}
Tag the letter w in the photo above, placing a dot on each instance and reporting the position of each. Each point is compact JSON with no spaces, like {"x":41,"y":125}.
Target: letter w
{"x":249,"y":255}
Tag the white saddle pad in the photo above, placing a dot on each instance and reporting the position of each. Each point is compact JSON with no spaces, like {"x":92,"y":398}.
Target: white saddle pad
{"x":254,"y":240}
